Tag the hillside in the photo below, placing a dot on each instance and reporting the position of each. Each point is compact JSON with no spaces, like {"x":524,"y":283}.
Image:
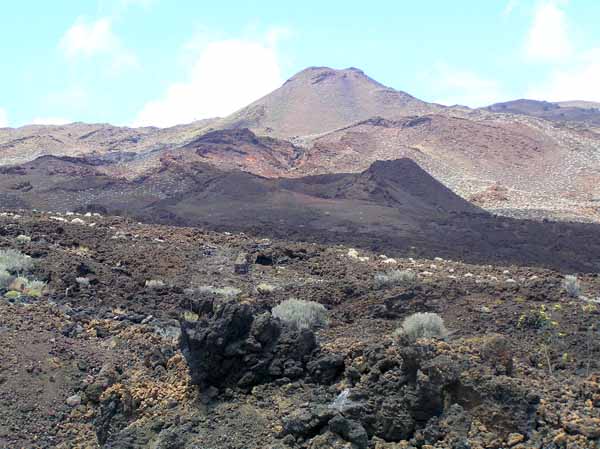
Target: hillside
{"x":320,"y":99}
{"x":522,"y":158}
{"x":585,"y":112}
{"x":393,"y":204}
{"x":146,"y":336}
{"x":26,"y":143}
{"x":547,"y":170}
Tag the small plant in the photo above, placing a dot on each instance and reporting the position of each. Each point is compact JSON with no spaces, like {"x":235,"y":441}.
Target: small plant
{"x":265,"y":289}
{"x":12,"y":294}
{"x":423,"y":325}
{"x":153,"y":284}
{"x":394,"y":277}
{"x":227,"y":292}
{"x":188,"y":315}
{"x":23,"y":239}
{"x":15,"y":261}
{"x":5,"y":278}
{"x":301,"y":314}
{"x":27,"y":287}
{"x":35,"y":288}
{"x":535,"y":319}
{"x":572,"y":286}
{"x":83,"y":282}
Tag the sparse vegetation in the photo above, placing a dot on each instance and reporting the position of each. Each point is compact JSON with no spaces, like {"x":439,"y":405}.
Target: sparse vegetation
{"x":83,"y":281}
{"x":423,"y":325}
{"x":265,"y":289}
{"x":34,"y":288}
{"x":23,"y":239}
{"x":5,"y":278}
{"x":572,"y":286}
{"x":153,"y":284}
{"x":394,"y":277}
{"x":15,"y":261}
{"x":228,"y":292}
{"x":12,"y":266}
{"x":301,"y":314}
{"x":188,"y":315}
{"x":28,"y":287}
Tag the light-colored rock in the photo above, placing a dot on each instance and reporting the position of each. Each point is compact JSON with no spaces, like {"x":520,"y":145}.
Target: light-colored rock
{"x":73,"y":401}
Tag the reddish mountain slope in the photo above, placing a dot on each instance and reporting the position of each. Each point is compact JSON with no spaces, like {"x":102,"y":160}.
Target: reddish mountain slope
{"x":321,"y":99}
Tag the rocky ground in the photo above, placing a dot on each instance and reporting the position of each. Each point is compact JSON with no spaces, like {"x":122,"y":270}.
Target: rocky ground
{"x":104,"y":358}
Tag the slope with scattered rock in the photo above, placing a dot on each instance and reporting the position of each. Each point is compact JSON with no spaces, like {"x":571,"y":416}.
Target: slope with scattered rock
{"x":119,"y":361}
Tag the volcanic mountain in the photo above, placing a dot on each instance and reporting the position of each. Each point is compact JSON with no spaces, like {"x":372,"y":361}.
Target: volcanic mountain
{"x":586,"y":112}
{"x":392,"y":205}
{"x":320,"y":99}
{"x":522,"y":158}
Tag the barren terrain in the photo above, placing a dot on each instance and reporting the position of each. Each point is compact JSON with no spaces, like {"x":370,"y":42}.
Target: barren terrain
{"x":99,"y":364}
{"x":523,"y":159}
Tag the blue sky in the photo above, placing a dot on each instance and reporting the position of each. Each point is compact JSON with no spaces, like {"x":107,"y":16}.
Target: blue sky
{"x":159,"y":62}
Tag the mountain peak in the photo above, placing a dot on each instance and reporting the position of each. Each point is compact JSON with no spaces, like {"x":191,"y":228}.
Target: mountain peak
{"x":321,"y":99}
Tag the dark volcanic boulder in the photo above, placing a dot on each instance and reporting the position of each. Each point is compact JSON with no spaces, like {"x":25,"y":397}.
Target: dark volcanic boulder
{"x":233,"y":345}
{"x":406,"y":391}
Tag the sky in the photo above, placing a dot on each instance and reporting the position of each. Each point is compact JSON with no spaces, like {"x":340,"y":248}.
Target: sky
{"x":161,"y":62}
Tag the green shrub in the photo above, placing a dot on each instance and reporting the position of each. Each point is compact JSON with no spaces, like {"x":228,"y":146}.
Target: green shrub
{"x":23,"y":239}
{"x":35,"y":288}
{"x":423,"y":325}
{"x":83,"y":281}
{"x":153,"y":284}
{"x":15,"y":261}
{"x":265,"y":289}
{"x":12,"y":294}
{"x":572,"y":286}
{"x":227,"y":292}
{"x":394,"y":277}
{"x":301,"y":314}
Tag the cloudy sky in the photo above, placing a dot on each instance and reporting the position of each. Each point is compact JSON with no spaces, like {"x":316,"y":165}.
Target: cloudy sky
{"x":159,"y":62}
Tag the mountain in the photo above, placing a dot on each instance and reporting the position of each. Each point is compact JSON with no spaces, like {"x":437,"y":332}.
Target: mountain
{"x":391,"y":206}
{"x":320,"y":99}
{"x":18,"y":145}
{"x":547,"y":170}
{"x":571,"y":111}
{"x":524,"y":158}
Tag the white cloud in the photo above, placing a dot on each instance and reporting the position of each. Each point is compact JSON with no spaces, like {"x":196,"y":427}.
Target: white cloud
{"x":509,"y":7}
{"x":96,"y":38}
{"x":577,"y":81}
{"x":456,"y":86}
{"x":73,"y":97}
{"x":573,"y":73}
{"x":50,"y":121}
{"x":226,"y":76}
{"x":548,"y":37}
{"x":3,"y":118}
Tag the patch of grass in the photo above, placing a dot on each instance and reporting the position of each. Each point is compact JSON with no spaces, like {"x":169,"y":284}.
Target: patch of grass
{"x":154,"y":284}
{"x":572,"y":286}
{"x":12,"y":294}
{"x":394,"y":277}
{"x":301,"y":314}
{"x":5,"y":278}
{"x":227,"y":292}
{"x":23,"y":239}
{"x":265,"y":289}
{"x":15,"y":261}
{"x":83,"y":281}
{"x":423,"y":325}
{"x":188,"y":315}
